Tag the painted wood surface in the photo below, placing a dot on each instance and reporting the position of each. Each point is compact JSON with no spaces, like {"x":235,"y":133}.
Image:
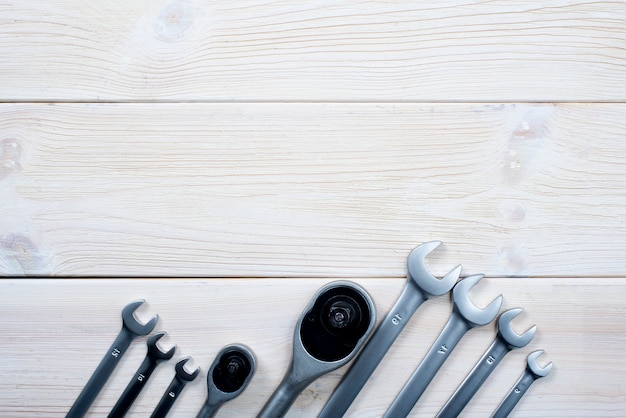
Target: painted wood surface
{"x":311,"y":189}
{"x":55,"y":332}
{"x":248,"y":152}
{"x":452,"y":50}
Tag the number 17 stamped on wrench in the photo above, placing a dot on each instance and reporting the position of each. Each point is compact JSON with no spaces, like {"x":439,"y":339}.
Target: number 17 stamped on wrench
{"x":464,"y":317}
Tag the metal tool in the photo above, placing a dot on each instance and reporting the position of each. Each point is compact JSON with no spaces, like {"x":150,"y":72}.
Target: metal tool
{"x":328,"y":334}
{"x":154,"y":356}
{"x":228,"y":376}
{"x":131,"y":329}
{"x":505,"y":341}
{"x":533,"y":372}
{"x":420,"y":286}
{"x":175,"y":388}
{"x":464,"y":317}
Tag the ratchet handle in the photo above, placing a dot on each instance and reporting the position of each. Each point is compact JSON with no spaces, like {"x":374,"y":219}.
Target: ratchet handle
{"x":283,"y":397}
{"x":208,"y":410}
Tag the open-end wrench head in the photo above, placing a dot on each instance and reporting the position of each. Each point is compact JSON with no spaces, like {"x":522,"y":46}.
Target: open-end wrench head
{"x":535,"y":367}
{"x":132,"y":324}
{"x":184,"y":374}
{"x":154,"y":352}
{"x":417,"y":271}
{"x":469,"y":311}
{"x":512,"y":338}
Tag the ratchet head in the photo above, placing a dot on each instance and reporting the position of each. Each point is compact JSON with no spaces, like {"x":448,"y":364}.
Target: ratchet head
{"x":231,"y":372}
{"x":505,"y":331}
{"x":534,"y":367}
{"x":131,"y":323}
{"x":182,"y":374}
{"x":462,"y":303}
{"x":428,"y":283}
{"x":154,"y":352}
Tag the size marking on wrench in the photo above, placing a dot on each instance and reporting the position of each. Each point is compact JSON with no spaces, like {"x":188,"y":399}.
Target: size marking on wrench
{"x":420,"y":286}
{"x":175,"y":388}
{"x":505,"y":341}
{"x":533,"y":372}
{"x":131,"y":329}
{"x":154,"y":356}
{"x":464,"y":317}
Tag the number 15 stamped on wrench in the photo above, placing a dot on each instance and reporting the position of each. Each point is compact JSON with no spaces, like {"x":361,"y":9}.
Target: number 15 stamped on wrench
{"x":131,"y":329}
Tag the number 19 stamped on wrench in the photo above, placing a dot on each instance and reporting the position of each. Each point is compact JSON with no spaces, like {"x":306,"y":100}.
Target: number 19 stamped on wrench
{"x":420,"y":286}
{"x":464,"y":317}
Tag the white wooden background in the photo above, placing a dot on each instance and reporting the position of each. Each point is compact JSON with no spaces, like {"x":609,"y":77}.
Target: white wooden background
{"x":224,"y":160}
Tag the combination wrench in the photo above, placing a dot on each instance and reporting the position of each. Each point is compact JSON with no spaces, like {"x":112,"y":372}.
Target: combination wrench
{"x":419,"y":287}
{"x":175,"y":388}
{"x":154,"y":356}
{"x":533,"y":372}
{"x":131,"y":329}
{"x":464,"y":317}
{"x":506,"y":340}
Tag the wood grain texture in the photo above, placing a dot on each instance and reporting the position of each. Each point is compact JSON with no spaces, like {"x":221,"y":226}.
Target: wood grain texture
{"x":452,"y":50}
{"x":311,"y":189}
{"x":68,"y":324}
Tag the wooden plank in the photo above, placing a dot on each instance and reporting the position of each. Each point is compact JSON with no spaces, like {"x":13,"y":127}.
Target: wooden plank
{"x":311,"y":189}
{"x":452,"y":50}
{"x":55,"y":332}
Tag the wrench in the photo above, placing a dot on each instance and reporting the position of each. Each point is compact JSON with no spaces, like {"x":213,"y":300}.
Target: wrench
{"x":420,"y":286}
{"x":533,"y":372}
{"x":328,"y":334}
{"x":175,"y":388}
{"x":228,"y":376}
{"x":464,"y":317}
{"x":505,"y":341}
{"x":131,"y":329}
{"x":153,"y":358}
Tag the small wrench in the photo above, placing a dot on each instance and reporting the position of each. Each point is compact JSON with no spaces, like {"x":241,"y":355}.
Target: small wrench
{"x":505,"y":341}
{"x":464,"y":317}
{"x":419,"y":287}
{"x":131,"y":329}
{"x":154,"y":356}
{"x":533,"y":372}
{"x":228,"y":376}
{"x":174,"y":389}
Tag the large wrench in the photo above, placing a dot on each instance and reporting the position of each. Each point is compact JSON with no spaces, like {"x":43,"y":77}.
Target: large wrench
{"x":464,"y":317}
{"x":533,"y":372}
{"x":419,"y":287}
{"x":131,"y":329}
{"x":505,"y":341}
{"x":154,"y":356}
